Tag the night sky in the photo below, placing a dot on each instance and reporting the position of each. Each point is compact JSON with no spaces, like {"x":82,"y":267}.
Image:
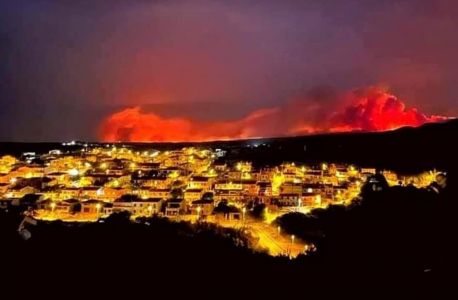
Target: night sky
{"x":67,"y":66}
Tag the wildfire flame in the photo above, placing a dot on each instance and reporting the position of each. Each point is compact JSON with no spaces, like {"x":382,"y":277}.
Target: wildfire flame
{"x":371,"y":109}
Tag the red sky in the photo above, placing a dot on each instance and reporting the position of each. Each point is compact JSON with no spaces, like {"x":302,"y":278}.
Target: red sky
{"x":69,"y":66}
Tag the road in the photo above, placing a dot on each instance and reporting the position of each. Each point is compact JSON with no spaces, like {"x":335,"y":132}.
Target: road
{"x":269,"y":239}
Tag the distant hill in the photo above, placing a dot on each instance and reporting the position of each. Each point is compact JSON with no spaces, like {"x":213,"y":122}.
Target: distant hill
{"x":406,"y":149}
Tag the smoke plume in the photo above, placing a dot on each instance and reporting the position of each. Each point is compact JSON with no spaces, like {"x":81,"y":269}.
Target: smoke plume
{"x":370,"y":109}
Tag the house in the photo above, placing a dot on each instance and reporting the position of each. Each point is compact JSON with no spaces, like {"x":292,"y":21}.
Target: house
{"x":69,"y":192}
{"x":229,"y":195}
{"x":154,"y":179}
{"x":19,"y":192}
{"x":202,"y":207}
{"x":191,"y":195}
{"x":107,"y":209}
{"x":311,"y":199}
{"x":289,"y":199}
{"x":199,"y":182}
{"x":138,"y":206}
{"x":228,"y":213}
{"x":44,"y":204}
{"x":92,"y":206}
{"x":89,"y":192}
{"x":250,"y":187}
{"x":159,"y":193}
{"x":68,"y":206}
{"x":110,"y":193}
{"x":291,"y":188}
{"x":264,"y":189}
{"x":175,"y":207}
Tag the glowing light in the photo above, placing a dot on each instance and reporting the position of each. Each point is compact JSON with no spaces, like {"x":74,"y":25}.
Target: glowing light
{"x":73,"y":172}
{"x":13,"y":180}
{"x":100,"y":192}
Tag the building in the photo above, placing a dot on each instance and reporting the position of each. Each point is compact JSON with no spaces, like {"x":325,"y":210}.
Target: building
{"x":138,"y":206}
{"x":92,"y":206}
{"x":202,"y":207}
{"x":175,"y":207}
{"x":191,"y":195}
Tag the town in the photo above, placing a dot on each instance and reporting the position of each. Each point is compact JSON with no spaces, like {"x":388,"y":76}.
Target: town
{"x":187,"y":184}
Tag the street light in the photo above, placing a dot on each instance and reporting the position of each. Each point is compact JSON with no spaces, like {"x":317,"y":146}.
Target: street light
{"x":53,"y":206}
{"x":278,"y":230}
{"x":292,"y":239}
{"x":243,"y":214}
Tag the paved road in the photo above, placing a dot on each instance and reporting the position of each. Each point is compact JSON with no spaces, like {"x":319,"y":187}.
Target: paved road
{"x":269,"y":238}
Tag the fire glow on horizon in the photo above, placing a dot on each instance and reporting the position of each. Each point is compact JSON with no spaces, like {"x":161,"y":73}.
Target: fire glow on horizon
{"x":371,"y":109}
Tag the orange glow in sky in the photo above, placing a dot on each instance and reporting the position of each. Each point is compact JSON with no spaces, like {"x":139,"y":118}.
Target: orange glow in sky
{"x":372,"y":109}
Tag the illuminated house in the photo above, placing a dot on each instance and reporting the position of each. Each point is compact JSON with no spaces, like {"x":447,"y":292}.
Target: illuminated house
{"x":92,"y":206}
{"x":250,"y":187}
{"x":67,"y":206}
{"x":199,"y":182}
{"x":19,"y":192}
{"x":137,"y":206}
{"x":159,"y":193}
{"x":264,"y":189}
{"x":311,"y":199}
{"x":228,"y":190}
{"x":289,"y":199}
{"x":175,"y":207}
{"x":202,"y":207}
{"x":291,"y":188}
{"x":192,"y":194}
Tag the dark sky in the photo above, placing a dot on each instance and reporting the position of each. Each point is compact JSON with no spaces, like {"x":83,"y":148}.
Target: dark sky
{"x":65,"y":65}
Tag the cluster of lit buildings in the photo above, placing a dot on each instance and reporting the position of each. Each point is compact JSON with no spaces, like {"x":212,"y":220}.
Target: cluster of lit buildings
{"x":94,"y":182}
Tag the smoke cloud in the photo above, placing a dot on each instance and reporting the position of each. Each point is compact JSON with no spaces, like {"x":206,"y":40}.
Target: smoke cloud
{"x":371,"y":109}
